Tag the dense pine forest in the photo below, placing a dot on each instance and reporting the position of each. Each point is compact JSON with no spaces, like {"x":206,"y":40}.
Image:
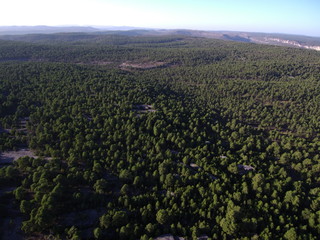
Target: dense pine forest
{"x":137,"y":137}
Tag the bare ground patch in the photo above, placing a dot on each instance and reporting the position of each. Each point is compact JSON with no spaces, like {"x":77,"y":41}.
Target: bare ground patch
{"x":8,"y":157}
{"x":143,"y":109}
{"x":142,"y":65}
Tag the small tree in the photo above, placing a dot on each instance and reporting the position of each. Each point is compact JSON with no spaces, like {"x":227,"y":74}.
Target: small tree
{"x":119,"y":219}
{"x":291,"y":234}
{"x":162,"y":216}
{"x":97,"y":233}
{"x":100,"y":186}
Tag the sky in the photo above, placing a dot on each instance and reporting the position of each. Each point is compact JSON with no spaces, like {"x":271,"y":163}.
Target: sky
{"x":273,"y":16}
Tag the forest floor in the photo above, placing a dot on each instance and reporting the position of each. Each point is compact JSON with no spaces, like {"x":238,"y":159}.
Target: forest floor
{"x":84,"y":219}
{"x":2,"y":130}
{"x":10,"y":227}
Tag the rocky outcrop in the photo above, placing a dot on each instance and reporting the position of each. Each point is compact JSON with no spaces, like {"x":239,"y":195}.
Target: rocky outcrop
{"x":276,"y":41}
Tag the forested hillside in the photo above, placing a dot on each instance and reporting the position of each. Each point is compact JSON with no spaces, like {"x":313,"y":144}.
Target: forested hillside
{"x":136,"y":137}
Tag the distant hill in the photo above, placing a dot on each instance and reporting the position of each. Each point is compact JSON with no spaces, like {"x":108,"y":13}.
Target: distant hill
{"x":21,"y":30}
{"x":22,"y":33}
{"x":260,"y":38}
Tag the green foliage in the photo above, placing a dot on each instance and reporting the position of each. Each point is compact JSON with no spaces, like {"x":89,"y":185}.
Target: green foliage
{"x":119,"y":219}
{"x":100,"y":186}
{"x":73,"y":233}
{"x":290,"y":234}
{"x":230,"y":223}
{"x":162,"y":216}
{"x":144,"y":136}
{"x":97,"y":233}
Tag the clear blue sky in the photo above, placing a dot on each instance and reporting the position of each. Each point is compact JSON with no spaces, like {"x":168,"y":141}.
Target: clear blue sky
{"x":282,"y":16}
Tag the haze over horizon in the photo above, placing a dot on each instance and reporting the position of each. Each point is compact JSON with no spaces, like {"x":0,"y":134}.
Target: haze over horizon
{"x":273,"y":16}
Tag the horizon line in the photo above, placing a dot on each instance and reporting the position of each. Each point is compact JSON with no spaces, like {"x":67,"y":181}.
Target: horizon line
{"x":129,"y":28}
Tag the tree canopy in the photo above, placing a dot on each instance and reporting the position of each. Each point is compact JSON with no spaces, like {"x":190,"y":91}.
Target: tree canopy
{"x":137,"y":137}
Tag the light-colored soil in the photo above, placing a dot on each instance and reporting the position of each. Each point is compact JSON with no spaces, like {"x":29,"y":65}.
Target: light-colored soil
{"x":165,"y":237}
{"x":8,"y":157}
{"x":245,"y":167}
{"x":195,"y":166}
{"x":142,"y":65}
{"x":146,"y":111}
{"x":143,"y":108}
